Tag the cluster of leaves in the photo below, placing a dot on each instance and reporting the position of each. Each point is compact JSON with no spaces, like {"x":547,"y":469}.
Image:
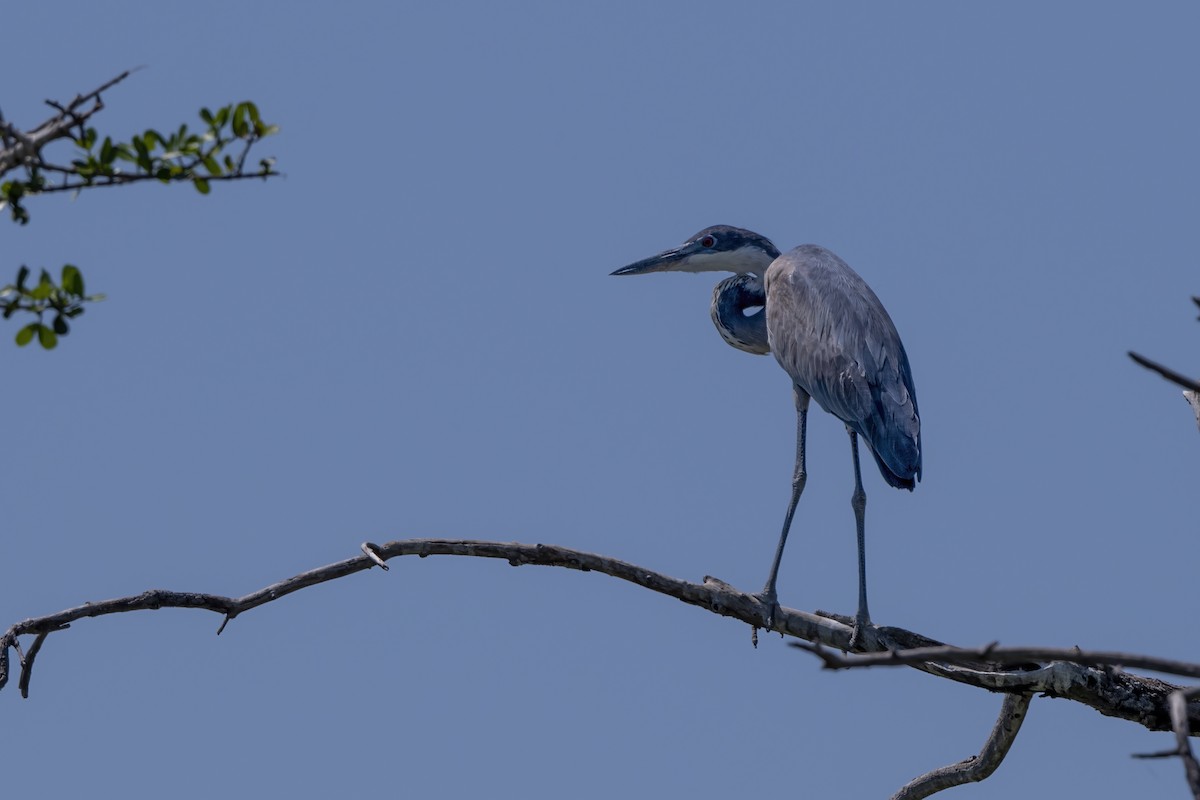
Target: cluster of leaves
{"x":64,"y":300}
{"x":216,"y":152}
{"x":179,"y":156}
{"x":14,"y":191}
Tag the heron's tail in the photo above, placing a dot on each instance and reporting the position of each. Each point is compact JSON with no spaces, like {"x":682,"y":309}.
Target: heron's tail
{"x":897,"y":481}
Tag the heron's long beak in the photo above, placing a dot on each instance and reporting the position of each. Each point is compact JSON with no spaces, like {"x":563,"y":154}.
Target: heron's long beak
{"x":663,"y":262}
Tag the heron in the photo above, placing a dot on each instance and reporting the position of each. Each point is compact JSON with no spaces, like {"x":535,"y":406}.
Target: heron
{"x":834,"y":339}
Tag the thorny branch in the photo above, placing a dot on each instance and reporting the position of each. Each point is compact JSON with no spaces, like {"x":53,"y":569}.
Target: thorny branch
{"x":23,"y":148}
{"x":125,"y":178}
{"x":1089,"y":678}
{"x":199,"y":158}
{"x":1110,"y":691}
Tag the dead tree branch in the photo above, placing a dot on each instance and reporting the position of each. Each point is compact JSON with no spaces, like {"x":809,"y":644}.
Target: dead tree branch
{"x":1110,"y":691}
{"x":1191,"y":387}
{"x":27,"y":147}
{"x":978,"y":767}
{"x":1177,"y":378}
{"x":1191,"y":767}
{"x":995,"y":655}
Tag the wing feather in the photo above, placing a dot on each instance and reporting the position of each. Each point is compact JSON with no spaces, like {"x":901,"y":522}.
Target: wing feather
{"x":834,"y":338}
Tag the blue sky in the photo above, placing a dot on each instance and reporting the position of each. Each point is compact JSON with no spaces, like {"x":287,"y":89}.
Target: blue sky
{"x":414,"y":334}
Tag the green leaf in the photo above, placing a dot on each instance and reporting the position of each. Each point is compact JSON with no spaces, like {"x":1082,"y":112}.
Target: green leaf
{"x":72,"y":280}
{"x":25,"y":335}
{"x":45,"y":287}
{"x":212,"y":165}
{"x":22,"y":275}
{"x":206,"y":115}
{"x":143,"y":154}
{"x":47,"y":338}
{"x":240,"y":129}
{"x":125,"y":153}
{"x":201,"y":185}
{"x":60,"y":325}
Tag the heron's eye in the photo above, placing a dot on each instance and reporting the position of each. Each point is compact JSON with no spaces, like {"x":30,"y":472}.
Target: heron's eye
{"x":708,"y":242}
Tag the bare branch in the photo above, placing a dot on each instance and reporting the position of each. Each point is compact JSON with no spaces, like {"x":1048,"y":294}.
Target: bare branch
{"x":1110,"y":691}
{"x":992,"y":655}
{"x":978,"y":767}
{"x":27,"y":663}
{"x":1179,"y":722}
{"x":29,"y":146}
{"x":126,"y":178}
{"x":1168,"y":373}
{"x":1191,"y":768}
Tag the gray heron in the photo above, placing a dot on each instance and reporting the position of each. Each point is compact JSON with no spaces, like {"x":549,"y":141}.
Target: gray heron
{"x":835,"y":341}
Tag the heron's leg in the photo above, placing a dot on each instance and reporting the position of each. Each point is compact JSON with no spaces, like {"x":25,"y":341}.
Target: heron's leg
{"x":799,"y":477}
{"x":862,"y":620}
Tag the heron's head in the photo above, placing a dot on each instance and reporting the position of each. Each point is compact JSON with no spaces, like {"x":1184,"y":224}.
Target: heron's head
{"x":720,"y":248}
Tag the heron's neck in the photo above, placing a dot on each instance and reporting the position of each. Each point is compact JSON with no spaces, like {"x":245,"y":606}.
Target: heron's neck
{"x":745,"y":260}
{"x":731,"y":298}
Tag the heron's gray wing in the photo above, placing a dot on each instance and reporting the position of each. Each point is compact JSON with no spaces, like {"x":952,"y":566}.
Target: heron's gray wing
{"x":831,"y":334}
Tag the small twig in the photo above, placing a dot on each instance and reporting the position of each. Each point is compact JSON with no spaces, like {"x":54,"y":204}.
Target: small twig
{"x":27,"y":663}
{"x":978,"y":767}
{"x":80,"y":99}
{"x":241,"y":162}
{"x":1168,"y":373}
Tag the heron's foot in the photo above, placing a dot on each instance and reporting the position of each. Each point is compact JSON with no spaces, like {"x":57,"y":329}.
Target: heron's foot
{"x":863,"y":636}
{"x":771,"y":601}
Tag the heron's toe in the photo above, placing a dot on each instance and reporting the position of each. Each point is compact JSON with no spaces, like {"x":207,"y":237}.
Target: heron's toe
{"x":770,"y":603}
